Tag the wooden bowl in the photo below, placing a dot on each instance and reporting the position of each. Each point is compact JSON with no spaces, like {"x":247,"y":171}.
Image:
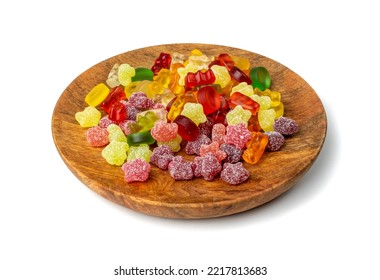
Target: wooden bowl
{"x":161,"y":195}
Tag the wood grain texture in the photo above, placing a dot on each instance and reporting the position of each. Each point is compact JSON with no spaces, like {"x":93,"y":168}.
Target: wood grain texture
{"x":161,"y":196}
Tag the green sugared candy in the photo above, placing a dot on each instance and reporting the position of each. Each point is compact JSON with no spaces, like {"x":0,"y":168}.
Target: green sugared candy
{"x":142,"y":74}
{"x":260,"y":78}
{"x":142,"y":151}
{"x":138,"y":138}
{"x":115,"y":133}
{"x":115,"y":153}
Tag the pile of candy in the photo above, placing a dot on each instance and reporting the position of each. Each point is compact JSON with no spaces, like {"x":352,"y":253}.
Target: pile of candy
{"x":216,"y":108}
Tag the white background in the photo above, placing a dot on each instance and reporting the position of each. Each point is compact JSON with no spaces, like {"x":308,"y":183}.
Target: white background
{"x":53,"y":227}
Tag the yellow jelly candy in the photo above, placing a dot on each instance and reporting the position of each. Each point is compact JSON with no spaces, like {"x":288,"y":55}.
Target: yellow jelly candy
{"x":243,"y":88}
{"x":116,"y":134}
{"x":97,"y":95}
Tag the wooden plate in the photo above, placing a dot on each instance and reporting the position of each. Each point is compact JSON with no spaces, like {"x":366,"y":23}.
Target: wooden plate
{"x":275,"y":173}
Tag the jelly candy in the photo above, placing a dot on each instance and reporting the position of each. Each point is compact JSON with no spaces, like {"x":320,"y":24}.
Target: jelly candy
{"x":194,"y":111}
{"x":89,"y":117}
{"x":163,"y":131}
{"x":132,"y":111}
{"x":279,"y":110}
{"x":141,"y":101}
{"x":275,"y":96}
{"x":174,"y":144}
{"x":138,"y":138}
{"x":187,"y":129}
{"x":218,"y":133}
{"x":136,"y":170}
{"x":244,"y":101}
{"x":142,"y":74}
{"x":207,"y":166}
{"x":225,"y":60}
{"x":285,"y":126}
{"x":243,"y":88}
{"x":113,"y":77}
{"x":97,"y":136}
{"x":146,"y":120}
{"x":173,"y":85}
{"x":125,"y":74}
{"x":175,"y":108}
{"x":234,"y":173}
{"x":241,"y":62}
{"x":115,"y":153}
{"x":162,"y":156}
{"x":180,"y":169}
{"x":142,"y":151}
{"x":266,"y":119}
{"x":116,"y":94}
{"x":97,"y":94}
{"x":209,"y":99}
{"x":222,"y":77}
{"x":162,"y":61}
{"x":193,"y":147}
{"x":115,"y":133}
{"x":199,"y":78}
{"x":105,"y":121}
{"x":275,"y":140}
{"x":233,"y":152}
{"x":263,"y":101}
{"x":239,"y":75}
{"x":238,"y":115}
{"x":206,"y":127}
{"x":117,"y":113}
{"x":237,"y":135}
{"x":255,"y":147}
{"x":260,"y":78}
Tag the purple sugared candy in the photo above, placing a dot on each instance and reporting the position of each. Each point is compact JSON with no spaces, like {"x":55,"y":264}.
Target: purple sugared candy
{"x":180,"y":169}
{"x":286,"y":126}
{"x":234,"y":173}
{"x":207,"y":166}
{"x":206,"y":127}
{"x":136,"y":170}
{"x":162,"y":156}
{"x":97,"y":136}
{"x":141,"y":101}
{"x":275,"y":140}
{"x":238,"y":135}
{"x":233,"y":152}
{"x":193,"y":147}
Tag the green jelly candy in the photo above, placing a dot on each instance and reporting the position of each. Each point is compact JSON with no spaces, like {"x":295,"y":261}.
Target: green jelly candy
{"x":260,"y":78}
{"x":142,"y":74}
{"x":138,"y":138}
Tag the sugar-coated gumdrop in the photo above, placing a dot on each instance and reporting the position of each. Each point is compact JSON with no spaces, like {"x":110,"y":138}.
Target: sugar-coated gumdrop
{"x":213,"y":149}
{"x":207,"y":166}
{"x":218,"y":133}
{"x":132,"y":111}
{"x":125,"y":74}
{"x":194,"y":112}
{"x":105,"y":121}
{"x":142,"y":151}
{"x":141,"y":101}
{"x":174,"y":144}
{"x":97,"y":94}
{"x":116,"y":134}
{"x":163,"y":131}
{"x":126,"y":126}
{"x":206,"y":127}
{"x":234,"y":173}
{"x":97,"y":136}
{"x":115,"y":153}
{"x":222,"y":77}
{"x":266,"y":119}
{"x":255,"y":147}
{"x":89,"y":117}
{"x":180,"y":169}
{"x":285,"y":126}
{"x":193,"y":147}
{"x":243,"y":88}
{"x":237,"y":135}
{"x":238,"y":115}
{"x":233,"y":153}
{"x":162,"y":156}
{"x":136,"y":170}
{"x":275,"y":140}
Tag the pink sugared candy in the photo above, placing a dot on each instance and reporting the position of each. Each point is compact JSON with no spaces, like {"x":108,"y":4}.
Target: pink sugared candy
{"x":213,"y":149}
{"x":97,"y":136}
{"x":193,"y":147}
{"x":162,"y":156}
{"x":180,"y":169}
{"x":233,"y":153}
{"x":234,"y":173}
{"x":237,"y":135}
{"x":163,"y":131}
{"x":218,"y":133}
{"x":207,"y":166}
{"x":136,"y":170}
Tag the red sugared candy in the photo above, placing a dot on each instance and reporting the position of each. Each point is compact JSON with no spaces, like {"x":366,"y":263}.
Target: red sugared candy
{"x":213,"y":149}
{"x":238,"y":135}
{"x":163,"y":131}
{"x":97,"y":136}
{"x":136,"y":170}
{"x":141,"y":101}
{"x":180,"y":169}
{"x":218,"y":133}
{"x":234,"y":173}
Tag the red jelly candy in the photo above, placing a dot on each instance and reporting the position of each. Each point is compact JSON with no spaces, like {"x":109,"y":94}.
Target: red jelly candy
{"x":162,"y":61}
{"x":117,"y":113}
{"x":239,"y":75}
{"x":116,"y":94}
{"x":244,"y":101}
{"x":226,"y":60}
{"x":209,"y":98}
{"x":199,"y":78}
{"x":187,"y":129}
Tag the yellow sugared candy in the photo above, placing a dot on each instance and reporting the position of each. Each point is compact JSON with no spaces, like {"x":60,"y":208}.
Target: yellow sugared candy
{"x":125,"y":74}
{"x":238,"y":115}
{"x":115,"y":153}
{"x":89,"y":117}
{"x":243,"y":88}
{"x":222,"y":77}
{"x":266,"y":119}
{"x":264,"y":101}
{"x":97,"y":95}
{"x":275,"y":96}
{"x":116,"y":134}
{"x":194,"y":111}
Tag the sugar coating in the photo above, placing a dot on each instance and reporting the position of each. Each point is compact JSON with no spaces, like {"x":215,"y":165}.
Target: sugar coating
{"x":180,"y":169}
{"x":163,"y":131}
{"x":285,"y":126}
{"x":222,"y":77}
{"x":275,"y":140}
{"x":125,"y":74}
{"x":194,"y":111}
{"x":89,"y":117}
{"x":174,"y":144}
{"x":266,"y":119}
{"x":97,"y":136}
{"x":141,"y":101}
{"x":141,"y":151}
{"x":237,"y":135}
{"x":214,"y":150}
{"x":132,"y":111}
{"x":207,"y":166}
{"x":162,"y":156}
{"x":115,"y":153}
{"x":233,"y":152}
{"x":234,"y":173}
{"x":218,"y":133}
{"x":126,"y":126}
{"x":264,"y":101}
{"x":136,"y":170}
{"x":105,"y":121}
{"x":193,"y":147}
{"x":206,"y":127}
{"x":238,"y":115}
{"x":243,"y":88}
{"x":115,"y":133}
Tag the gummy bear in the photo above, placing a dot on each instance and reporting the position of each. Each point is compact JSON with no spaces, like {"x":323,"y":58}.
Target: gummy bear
{"x":266,"y":119}
{"x":222,"y":77}
{"x":244,"y":101}
{"x":89,"y":117}
{"x":115,"y":95}
{"x":113,"y":77}
{"x":199,"y":78}
{"x":162,"y":61}
{"x":255,"y":147}
{"x":142,"y":74}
